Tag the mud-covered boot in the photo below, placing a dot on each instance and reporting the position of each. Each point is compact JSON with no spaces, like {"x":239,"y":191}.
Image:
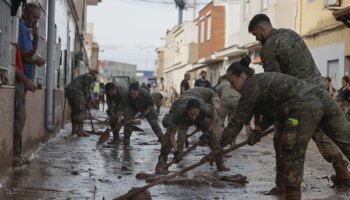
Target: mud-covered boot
{"x":293,"y":193}
{"x":81,"y":131}
{"x":220,"y":164}
{"x":177,"y":157}
{"x":17,"y":162}
{"x":74,"y":128}
{"x":115,"y":138}
{"x":342,"y":175}
{"x":280,"y":188}
{"x":161,"y":167}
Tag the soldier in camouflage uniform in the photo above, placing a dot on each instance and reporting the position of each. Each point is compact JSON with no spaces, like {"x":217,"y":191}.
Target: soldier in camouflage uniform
{"x":209,"y":96}
{"x":115,"y":95}
{"x":78,"y":95}
{"x":285,"y":51}
{"x":139,"y":100}
{"x":185,"y":112}
{"x":158,"y":100}
{"x":300,"y":108}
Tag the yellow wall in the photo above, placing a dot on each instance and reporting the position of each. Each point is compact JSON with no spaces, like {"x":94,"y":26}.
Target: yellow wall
{"x":314,"y":16}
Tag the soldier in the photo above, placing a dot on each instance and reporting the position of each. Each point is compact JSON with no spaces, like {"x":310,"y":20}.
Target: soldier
{"x":298,"y":107}
{"x":285,"y":51}
{"x":188,"y":111}
{"x":139,"y":100}
{"x":78,"y":95}
{"x":158,"y":100}
{"x":115,"y":96}
{"x":209,"y":96}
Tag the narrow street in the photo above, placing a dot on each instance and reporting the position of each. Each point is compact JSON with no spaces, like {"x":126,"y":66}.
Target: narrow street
{"x":69,"y":167}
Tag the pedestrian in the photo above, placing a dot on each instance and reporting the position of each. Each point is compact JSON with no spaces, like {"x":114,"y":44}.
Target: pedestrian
{"x":26,"y":60}
{"x":284,"y":51}
{"x":22,"y":85}
{"x":299,"y":107}
{"x":184,"y":86}
{"x":188,"y":111}
{"x":329,"y":87}
{"x":202,"y":82}
{"x":139,"y":100}
{"x":78,"y":94}
{"x":28,"y":28}
{"x":158,"y":101}
{"x":343,"y":97}
{"x":115,"y":97}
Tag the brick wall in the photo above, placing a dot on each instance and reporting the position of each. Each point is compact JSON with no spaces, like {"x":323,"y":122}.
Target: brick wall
{"x":7,"y":96}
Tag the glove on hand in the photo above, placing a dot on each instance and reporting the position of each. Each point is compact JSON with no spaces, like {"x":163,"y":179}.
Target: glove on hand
{"x":254,"y":137}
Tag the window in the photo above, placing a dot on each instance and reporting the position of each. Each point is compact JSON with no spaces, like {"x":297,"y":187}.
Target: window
{"x":202,"y":31}
{"x":209,"y":27}
{"x":264,"y":4}
{"x":246,"y":9}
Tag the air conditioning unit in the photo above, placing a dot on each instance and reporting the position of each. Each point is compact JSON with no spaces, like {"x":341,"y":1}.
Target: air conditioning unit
{"x":330,"y":3}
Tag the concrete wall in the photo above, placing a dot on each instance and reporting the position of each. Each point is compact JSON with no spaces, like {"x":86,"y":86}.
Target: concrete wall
{"x":7,"y":96}
{"x":324,"y":55}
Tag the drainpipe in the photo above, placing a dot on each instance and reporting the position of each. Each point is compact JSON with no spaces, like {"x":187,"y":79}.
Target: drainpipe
{"x":50,"y":68}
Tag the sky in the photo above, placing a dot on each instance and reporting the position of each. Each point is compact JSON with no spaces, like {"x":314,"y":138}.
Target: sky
{"x":129,"y":31}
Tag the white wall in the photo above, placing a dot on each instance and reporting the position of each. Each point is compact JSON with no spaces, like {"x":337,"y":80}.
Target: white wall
{"x":328,"y":53}
{"x":233,"y":22}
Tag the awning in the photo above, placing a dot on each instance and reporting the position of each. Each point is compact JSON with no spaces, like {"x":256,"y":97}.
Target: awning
{"x":343,"y":15}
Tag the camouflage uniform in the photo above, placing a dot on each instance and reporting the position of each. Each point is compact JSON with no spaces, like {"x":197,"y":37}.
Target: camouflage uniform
{"x":285,"y":51}
{"x":209,"y":96}
{"x":132,"y":106}
{"x":114,"y":108}
{"x":228,"y":99}
{"x":77,"y":93}
{"x":177,"y":118}
{"x":157,"y":99}
{"x":290,"y":99}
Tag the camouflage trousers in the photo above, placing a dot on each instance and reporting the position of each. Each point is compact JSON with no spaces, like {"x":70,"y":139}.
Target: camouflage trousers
{"x":228,"y":106}
{"x":19,"y":118}
{"x":77,"y":104}
{"x":316,"y":110}
{"x":182,"y":133}
{"x":152,"y":118}
{"x":113,"y":121}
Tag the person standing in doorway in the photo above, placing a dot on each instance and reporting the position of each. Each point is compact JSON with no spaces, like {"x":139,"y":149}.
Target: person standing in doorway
{"x":184,"y":83}
{"x":202,"y":82}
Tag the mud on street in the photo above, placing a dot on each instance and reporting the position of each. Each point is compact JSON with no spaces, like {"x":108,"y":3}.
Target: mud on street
{"x":71,"y":167}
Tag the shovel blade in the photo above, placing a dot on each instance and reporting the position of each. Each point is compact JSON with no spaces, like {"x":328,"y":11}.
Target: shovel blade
{"x":103,"y":137}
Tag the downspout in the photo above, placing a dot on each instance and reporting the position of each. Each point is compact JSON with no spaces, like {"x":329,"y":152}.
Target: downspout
{"x":50,"y":68}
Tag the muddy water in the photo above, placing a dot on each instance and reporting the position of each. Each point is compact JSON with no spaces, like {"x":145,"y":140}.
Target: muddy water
{"x":68,"y":167}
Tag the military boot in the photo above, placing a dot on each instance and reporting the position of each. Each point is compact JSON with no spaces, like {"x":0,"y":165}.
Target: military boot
{"x":81,"y":132}
{"x":161,"y":167}
{"x":74,"y":128}
{"x":342,"y":175}
{"x":115,"y":138}
{"x":220,"y":164}
{"x":280,"y":188}
{"x":293,"y":193}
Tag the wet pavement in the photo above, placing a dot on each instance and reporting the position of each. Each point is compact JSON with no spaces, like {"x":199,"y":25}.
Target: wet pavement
{"x":69,"y":167}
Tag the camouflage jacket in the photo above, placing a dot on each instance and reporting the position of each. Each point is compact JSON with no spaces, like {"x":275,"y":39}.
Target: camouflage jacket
{"x":142,"y":101}
{"x":224,"y":90}
{"x":285,"y":51}
{"x":271,"y":94}
{"x":81,"y":84}
{"x":179,"y":116}
{"x":114,"y":102}
{"x":206,"y":94}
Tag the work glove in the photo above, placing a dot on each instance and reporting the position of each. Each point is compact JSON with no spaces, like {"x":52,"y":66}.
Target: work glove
{"x":213,"y":155}
{"x":254,"y":137}
{"x":204,"y":138}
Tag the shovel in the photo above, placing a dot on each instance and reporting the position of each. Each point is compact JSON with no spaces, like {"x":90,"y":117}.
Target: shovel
{"x":105,"y":135}
{"x":204,"y":160}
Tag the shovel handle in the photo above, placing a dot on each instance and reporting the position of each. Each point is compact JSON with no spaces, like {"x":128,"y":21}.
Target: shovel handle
{"x":201,"y":162}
